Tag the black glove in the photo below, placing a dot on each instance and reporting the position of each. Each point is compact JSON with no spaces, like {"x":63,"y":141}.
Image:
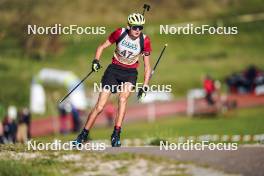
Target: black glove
{"x":95,"y":65}
{"x":142,"y":92}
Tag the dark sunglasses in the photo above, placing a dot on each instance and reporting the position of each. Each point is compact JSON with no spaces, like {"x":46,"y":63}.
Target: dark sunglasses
{"x":137,"y":28}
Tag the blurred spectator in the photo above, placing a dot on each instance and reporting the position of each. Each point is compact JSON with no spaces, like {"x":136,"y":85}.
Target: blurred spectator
{"x":109,"y":112}
{"x":27,"y":119}
{"x":63,"y":119}
{"x":22,"y":128}
{"x":236,"y":83}
{"x":209,"y":89}
{"x":250,"y":75}
{"x":76,"y":119}
{"x":246,"y":81}
{"x":10,"y":129}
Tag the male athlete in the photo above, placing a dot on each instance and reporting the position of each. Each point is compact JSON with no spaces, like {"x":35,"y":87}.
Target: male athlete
{"x":131,"y":43}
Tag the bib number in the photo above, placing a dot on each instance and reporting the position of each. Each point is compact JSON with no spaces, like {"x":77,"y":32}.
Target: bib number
{"x":126,"y":53}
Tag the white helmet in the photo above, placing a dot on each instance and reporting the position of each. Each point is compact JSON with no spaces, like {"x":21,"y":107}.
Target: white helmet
{"x":136,"y":19}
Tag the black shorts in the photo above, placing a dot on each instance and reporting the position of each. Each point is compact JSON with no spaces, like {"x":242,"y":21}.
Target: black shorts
{"x":116,"y":75}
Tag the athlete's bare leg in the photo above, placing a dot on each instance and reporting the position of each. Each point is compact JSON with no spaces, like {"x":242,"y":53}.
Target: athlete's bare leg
{"x":123,"y":96}
{"x":83,"y":136}
{"x":122,"y":103}
{"x":103,"y":97}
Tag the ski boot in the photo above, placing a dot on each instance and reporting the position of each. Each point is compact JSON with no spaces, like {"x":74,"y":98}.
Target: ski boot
{"x":115,"y":139}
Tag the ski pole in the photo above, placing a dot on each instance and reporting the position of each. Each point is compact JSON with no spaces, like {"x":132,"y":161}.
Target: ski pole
{"x":66,"y":96}
{"x":153,"y":70}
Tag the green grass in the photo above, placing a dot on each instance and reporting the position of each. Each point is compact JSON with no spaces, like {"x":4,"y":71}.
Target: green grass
{"x":16,"y":160}
{"x":245,"y":121}
{"x":37,"y":167}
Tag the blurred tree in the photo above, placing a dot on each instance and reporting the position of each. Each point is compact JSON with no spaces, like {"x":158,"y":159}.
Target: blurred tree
{"x":17,"y":15}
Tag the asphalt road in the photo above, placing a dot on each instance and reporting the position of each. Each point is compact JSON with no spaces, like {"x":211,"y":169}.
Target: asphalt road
{"x":247,"y":160}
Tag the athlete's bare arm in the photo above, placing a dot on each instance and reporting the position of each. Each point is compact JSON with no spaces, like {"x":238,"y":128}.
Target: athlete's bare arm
{"x":147,"y":69}
{"x":100,"y":49}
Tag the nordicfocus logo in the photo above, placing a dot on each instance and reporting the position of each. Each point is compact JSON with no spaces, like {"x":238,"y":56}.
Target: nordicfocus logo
{"x":121,"y":88}
{"x":191,"y":29}
{"x":58,"y":145}
{"x":58,"y":29}
{"x":203,"y":145}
